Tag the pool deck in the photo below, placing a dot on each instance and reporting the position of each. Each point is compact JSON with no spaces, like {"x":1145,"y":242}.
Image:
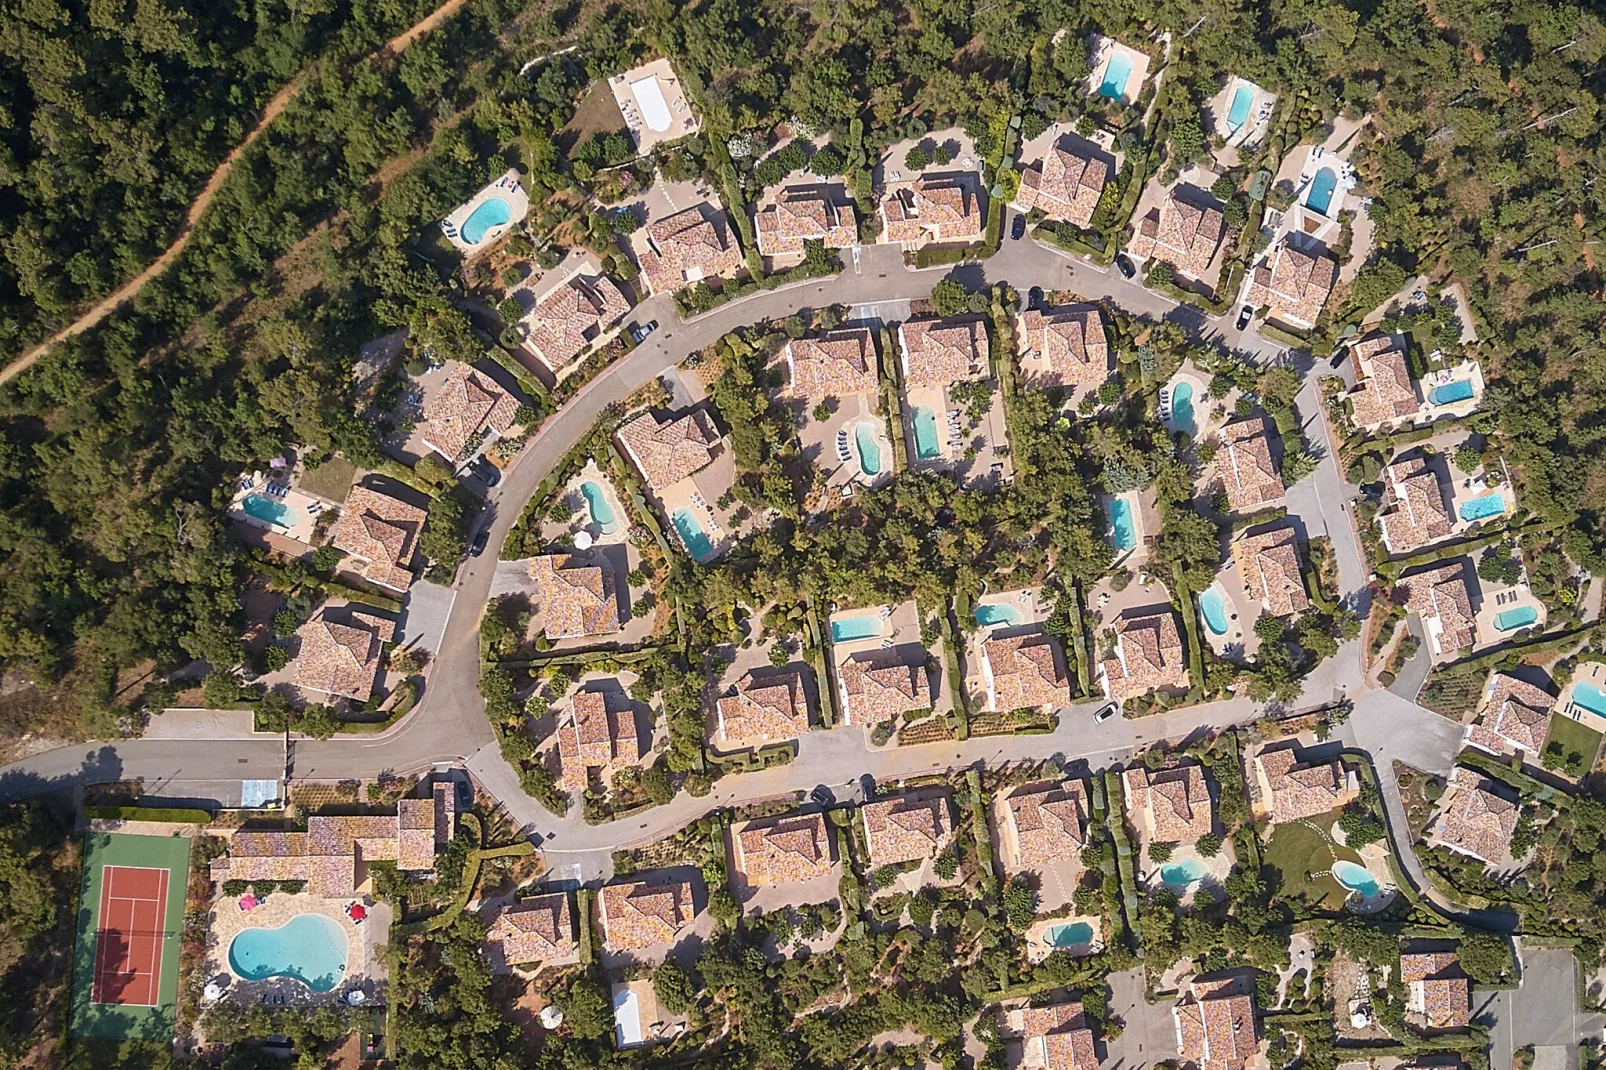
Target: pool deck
{"x":1215,"y":869}
{"x":1592,"y":672}
{"x":682,"y":119}
{"x":988,"y":468}
{"x":899,"y":635}
{"x":1469,"y":370}
{"x":819,"y":442}
{"x":1038,"y":948}
{"x":364,"y":942}
{"x":1103,"y":49}
{"x":1033,"y":608}
{"x":1255,"y":126}
{"x":1239,"y":642}
{"x":302,"y":526}
{"x":1209,"y":415}
{"x":510,"y":190}
{"x":580,"y":512}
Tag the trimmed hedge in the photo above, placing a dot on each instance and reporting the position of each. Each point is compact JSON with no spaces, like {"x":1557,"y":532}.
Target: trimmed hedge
{"x":956,"y":679}
{"x":1282,"y":337}
{"x":173,"y":815}
{"x":1190,"y":621}
{"x":731,"y":291}
{"x":1543,"y":644}
{"x":1392,"y":569}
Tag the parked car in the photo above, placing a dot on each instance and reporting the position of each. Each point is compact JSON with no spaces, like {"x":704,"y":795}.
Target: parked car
{"x":822,"y":795}
{"x":1034,"y":297}
{"x":486,"y":472}
{"x":1243,"y":316}
{"x":1017,"y":229}
{"x":640,"y":333}
{"x":1123,"y":264}
{"x":1106,"y":711}
{"x":477,"y":547}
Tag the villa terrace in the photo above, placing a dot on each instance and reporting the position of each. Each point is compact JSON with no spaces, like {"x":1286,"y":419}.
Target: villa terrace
{"x":571,"y":318}
{"x":935,"y":357}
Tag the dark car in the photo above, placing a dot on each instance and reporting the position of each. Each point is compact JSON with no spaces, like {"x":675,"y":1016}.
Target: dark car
{"x":486,"y":472}
{"x":822,"y":795}
{"x":1123,"y":264}
{"x":1105,"y":712}
{"x":640,"y":333}
{"x":1017,"y":229}
{"x":477,"y":547}
{"x":1243,"y":316}
{"x":1034,"y":298}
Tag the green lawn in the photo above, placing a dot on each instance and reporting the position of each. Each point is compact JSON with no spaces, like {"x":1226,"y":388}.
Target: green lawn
{"x":1297,"y":850}
{"x":1574,"y":737}
{"x":331,"y":480}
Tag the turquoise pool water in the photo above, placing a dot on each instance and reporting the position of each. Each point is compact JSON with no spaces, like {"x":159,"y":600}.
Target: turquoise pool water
{"x":1075,"y":934}
{"x":266,"y":509}
{"x":1355,"y":878}
{"x":1115,"y":76}
{"x":1590,"y":697}
{"x":309,"y":948}
{"x":1320,"y":197}
{"x":1182,"y":407}
{"x":1214,"y":608}
{"x":1450,"y":393}
{"x":601,"y":511}
{"x":1239,"y":113}
{"x":869,"y":452}
{"x":692,"y":534}
{"x":1483,"y":506}
{"x":491,"y":212}
{"x":1125,"y":535}
{"x":851,"y":628}
{"x":997,"y":614}
{"x":1182,"y":874}
{"x":926,"y":444}
{"x":1511,"y":619}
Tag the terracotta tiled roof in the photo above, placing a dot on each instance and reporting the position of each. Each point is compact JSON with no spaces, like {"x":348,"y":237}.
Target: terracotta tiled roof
{"x":802,"y":213}
{"x":1183,"y":234}
{"x":1294,"y":285}
{"x":668,"y":452}
{"x":1383,"y":389}
{"x":1518,"y":712}
{"x":1268,"y":564}
{"x":603,"y":735}
{"x":341,"y":657}
{"x":1171,"y":806}
{"x":1024,"y":672}
{"x":686,"y":247}
{"x":1440,"y":596}
{"x":572,"y":316}
{"x":1245,"y":464}
{"x":1148,"y":655}
{"x":468,"y":402}
{"x":1300,"y":790}
{"x":907,"y":829}
{"x":540,"y":929}
{"x":380,"y":534}
{"x":879,"y":686}
{"x":637,"y":914}
{"x":783,"y":850}
{"x":773,"y":707}
{"x":576,"y":600}
{"x":1476,"y":821}
{"x":1414,"y":511}
{"x":1216,"y":1028}
{"x":1439,"y":990}
{"x":942,"y":352}
{"x":1057,"y":1037}
{"x":1046,"y":823}
{"x":934,"y":208}
{"x":839,"y":364}
{"x":1065,"y":185}
{"x":1073,"y":343}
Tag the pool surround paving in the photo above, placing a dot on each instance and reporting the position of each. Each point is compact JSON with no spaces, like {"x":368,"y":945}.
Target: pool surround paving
{"x":364,"y":970}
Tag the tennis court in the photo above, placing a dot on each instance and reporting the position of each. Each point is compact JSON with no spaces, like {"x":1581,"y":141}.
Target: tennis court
{"x":130,"y":916}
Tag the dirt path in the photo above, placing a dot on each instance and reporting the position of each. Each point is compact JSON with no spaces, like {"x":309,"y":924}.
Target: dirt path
{"x":126,"y":292}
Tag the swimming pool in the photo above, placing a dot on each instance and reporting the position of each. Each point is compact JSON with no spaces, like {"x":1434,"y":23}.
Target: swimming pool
{"x":601,"y":511}
{"x":993,"y":613}
{"x":926,"y":445}
{"x":869,"y":451}
{"x":1242,"y":100}
{"x":1125,"y":536}
{"x":1590,"y":697}
{"x":1510,"y":620}
{"x":491,"y":212}
{"x":1320,"y":197}
{"x":1355,"y":878}
{"x":850,"y":628}
{"x":309,"y":948}
{"x":1450,"y":393}
{"x":1182,"y":408}
{"x":1483,"y":506}
{"x":266,"y":509}
{"x":1074,"y":934}
{"x":1116,"y":74}
{"x":1182,"y":874}
{"x":692,"y":534}
{"x":1213,"y":606}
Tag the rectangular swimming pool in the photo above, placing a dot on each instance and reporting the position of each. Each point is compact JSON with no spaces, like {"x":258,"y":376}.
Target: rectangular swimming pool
{"x":1125,"y":535}
{"x":1482,"y":507}
{"x":926,"y":443}
{"x":691,"y":533}
{"x":267,"y":510}
{"x":1116,"y":75}
{"x":1450,"y":393}
{"x":850,"y":628}
{"x":1512,"y":619}
{"x":1239,"y":113}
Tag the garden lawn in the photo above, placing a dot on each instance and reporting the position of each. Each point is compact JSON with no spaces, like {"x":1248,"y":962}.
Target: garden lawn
{"x":1300,"y":848}
{"x":1573,"y":736}
{"x":330,"y":480}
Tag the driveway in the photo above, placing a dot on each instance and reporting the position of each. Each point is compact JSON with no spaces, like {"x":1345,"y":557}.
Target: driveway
{"x":1150,"y":1032}
{"x":424,"y":616}
{"x":1543,"y":1012}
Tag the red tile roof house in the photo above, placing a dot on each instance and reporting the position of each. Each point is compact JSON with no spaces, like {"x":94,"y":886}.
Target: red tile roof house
{"x":806,"y":213}
{"x":467,"y":408}
{"x":1065,"y":185}
{"x":1383,"y":390}
{"x":835,"y":365}
{"x":1064,"y":348}
{"x":880,"y":686}
{"x":1044,"y":823}
{"x":573,"y":317}
{"x":1148,"y":657}
{"x":1516,"y":716}
{"x":1443,"y":599}
{"x":1268,"y":565}
{"x":1414,"y":511}
{"x":597,"y":738}
{"x":637,"y":914}
{"x":768,"y":709}
{"x":1023,"y":672}
{"x":906,"y":828}
{"x":1292,"y":790}
{"x":782,"y":850}
{"x":1055,"y":1037}
{"x":530,"y":931}
{"x":1171,"y":806}
{"x":1181,"y":233}
{"x":1437,"y":990}
{"x":1473,"y":819}
{"x":341,"y":657}
{"x":667,"y":452}
{"x":1293,"y":285}
{"x":1244,"y":463}
{"x":575,"y":600}
{"x":688,"y":247}
{"x":939,"y":353}
{"x":379,"y":535}
{"x":1216,"y":1025}
{"x":934,"y":208}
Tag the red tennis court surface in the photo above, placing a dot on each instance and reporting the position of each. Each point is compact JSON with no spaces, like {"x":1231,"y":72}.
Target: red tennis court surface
{"x":128,"y":947}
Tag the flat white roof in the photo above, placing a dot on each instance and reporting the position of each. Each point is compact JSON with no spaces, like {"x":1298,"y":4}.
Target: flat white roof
{"x":626,"y":1018}
{"x":650,"y":98}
